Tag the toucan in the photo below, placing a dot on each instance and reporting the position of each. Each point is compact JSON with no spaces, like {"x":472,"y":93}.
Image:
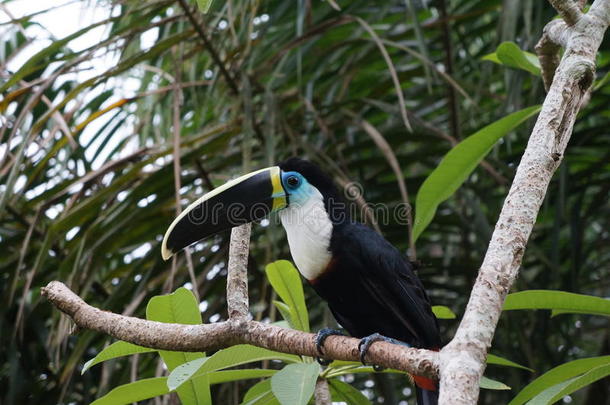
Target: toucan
{"x":370,"y":287}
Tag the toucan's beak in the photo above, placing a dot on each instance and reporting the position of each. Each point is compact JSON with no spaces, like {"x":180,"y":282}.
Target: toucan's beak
{"x":248,"y":198}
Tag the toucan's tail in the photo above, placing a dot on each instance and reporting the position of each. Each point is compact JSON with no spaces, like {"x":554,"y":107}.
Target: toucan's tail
{"x":426,"y":391}
{"x":426,"y":397}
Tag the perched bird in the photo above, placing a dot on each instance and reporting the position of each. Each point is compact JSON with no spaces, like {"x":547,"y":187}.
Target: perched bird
{"x":370,"y":287}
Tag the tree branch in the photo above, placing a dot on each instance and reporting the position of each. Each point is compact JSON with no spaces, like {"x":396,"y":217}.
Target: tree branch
{"x":208,"y":44}
{"x":547,"y":50}
{"x":237,"y":273}
{"x":322,"y":392}
{"x":463,"y":359}
{"x":569,"y":10}
{"x":206,"y":337}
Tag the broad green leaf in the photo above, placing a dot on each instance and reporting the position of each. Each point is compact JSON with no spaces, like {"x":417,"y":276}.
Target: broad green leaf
{"x":555,"y":393}
{"x":184,"y":372}
{"x":285,"y":311}
{"x":295,"y":383}
{"x":202,"y":390}
{"x":509,"y":54}
{"x":225,"y":358}
{"x":135,"y":391}
{"x":545,"y":396}
{"x":117,"y":349}
{"x":560,"y":302}
{"x":443,"y":312}
{"x":282,"y":324}
{"x":558,"y":375}
{"x":457,"y":165}
{"x":501,"y":361}
{"x":489,"y":384}
{"x":265,"y":398}
{"x":342,"y":367}
{"x":218,"y":377}
{"x":179,"y":307}
{"x":204,"y":5}
{"x":260,"y":394}
{"x":242,"y":354}
{"x":346,"y":393}
{"x":286,"y":281}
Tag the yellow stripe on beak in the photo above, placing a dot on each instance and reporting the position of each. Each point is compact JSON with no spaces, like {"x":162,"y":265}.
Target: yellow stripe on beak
{"x":279,"y":195}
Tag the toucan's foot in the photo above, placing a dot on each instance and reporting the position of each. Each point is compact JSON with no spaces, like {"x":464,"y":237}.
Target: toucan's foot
{"x":320,"y":338}
{"x":366,"y":342}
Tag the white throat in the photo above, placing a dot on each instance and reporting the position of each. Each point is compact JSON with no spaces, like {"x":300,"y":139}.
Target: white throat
{"x":309,"y":230}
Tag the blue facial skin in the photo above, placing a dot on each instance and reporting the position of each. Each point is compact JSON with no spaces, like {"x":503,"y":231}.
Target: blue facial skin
{"x":297,"y":187}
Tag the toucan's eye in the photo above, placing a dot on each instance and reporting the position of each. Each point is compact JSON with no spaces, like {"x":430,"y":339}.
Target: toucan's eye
{"x":293,"y":181}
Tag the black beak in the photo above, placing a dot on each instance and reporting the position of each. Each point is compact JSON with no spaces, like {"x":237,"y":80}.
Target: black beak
{"x":248,"y":198}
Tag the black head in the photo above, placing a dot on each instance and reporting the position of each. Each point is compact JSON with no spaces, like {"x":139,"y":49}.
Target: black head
{"x":335,"y":204}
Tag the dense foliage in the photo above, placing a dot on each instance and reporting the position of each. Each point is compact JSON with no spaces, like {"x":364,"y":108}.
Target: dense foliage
{"x":88,"y":185}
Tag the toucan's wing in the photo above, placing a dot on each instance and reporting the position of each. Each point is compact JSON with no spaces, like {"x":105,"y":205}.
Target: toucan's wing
{"x":389,"y":279}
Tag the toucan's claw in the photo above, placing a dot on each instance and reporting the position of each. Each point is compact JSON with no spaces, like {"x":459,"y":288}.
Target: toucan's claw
{"x":366,"y":342}
{"x":320,"y":338}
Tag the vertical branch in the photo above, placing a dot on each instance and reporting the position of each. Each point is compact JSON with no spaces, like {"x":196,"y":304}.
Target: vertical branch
{"x":208,"y":44}
{"x":322,"y":392}
{"x":237,"y":277}
{"x":568,"y":10}
{"x":451,"y":93}
{"x":463,"y":359}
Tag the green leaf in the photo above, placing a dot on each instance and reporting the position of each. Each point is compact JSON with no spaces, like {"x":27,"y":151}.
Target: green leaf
{"x":204,"y":5}
{"x":286,"y":281}
{"x":184,"y":372}
{"x":46,"y":55}
{"x":545,"y":396}
{"x":285,"y":311}
{"x":509,"y":54}
{"x":555,"y":393}
{"x":489,"y":384}
{"x":135,"y":391}
{"x":229,"y":357}
{"x":342,"y":367}
{"x":501,"y":361}
{"x":218,"y":377}
{"x":346,"y":393}
{"x":442,"y":312}
{"x":260,"y":394}
{"x":558,"y":375}
{"x":457,"y":165}
{"x":295,"y":383}
{"x":560,"y":302}
{"x":179,"y":307}
{"x":117,"y":349}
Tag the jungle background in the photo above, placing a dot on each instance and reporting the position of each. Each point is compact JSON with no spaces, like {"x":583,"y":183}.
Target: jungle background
{"x":90,"y":130}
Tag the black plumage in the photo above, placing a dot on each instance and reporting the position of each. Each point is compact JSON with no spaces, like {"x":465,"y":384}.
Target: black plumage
{"x":369,"y":286}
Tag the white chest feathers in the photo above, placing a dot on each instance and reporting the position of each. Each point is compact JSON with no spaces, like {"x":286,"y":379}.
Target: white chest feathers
{"x":309,"y":230}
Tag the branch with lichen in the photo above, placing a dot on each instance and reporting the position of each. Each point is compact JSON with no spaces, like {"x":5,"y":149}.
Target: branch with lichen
{"x":237,"y":330}
{"x":462,"y":361}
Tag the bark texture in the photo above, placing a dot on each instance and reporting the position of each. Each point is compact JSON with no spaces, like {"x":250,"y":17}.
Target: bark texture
{"x":462,"y":361}
{"x":237,"y":273}
{"x":196,"y":338}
